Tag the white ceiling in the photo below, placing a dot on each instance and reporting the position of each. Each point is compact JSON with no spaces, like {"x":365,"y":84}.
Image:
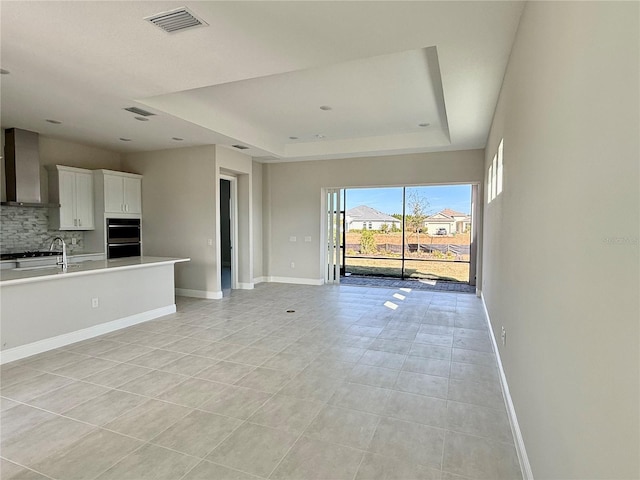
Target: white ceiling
{"x":258,"y":74}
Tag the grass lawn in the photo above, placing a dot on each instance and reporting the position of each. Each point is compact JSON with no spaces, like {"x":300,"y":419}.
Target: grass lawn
{"x":446,"y":271}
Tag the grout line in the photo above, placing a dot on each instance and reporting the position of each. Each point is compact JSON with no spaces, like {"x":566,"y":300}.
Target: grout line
{"x":27,"y":468}
{"x":312,"y":329}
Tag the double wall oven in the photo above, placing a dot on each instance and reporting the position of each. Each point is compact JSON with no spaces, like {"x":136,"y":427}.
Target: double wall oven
{"x":123,"y":237}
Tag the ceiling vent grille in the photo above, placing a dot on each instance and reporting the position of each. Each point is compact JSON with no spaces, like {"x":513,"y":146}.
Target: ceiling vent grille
{"x":240,"y":147}
{"x":139,"y":111}
{"x":176,"y":20}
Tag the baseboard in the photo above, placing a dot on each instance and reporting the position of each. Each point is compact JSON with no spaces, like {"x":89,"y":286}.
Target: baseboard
{"x":259,"y":280}
{"x":298,"y":281}
{"x":185,"y":292}
{"x":245,"y":286}
{"x":24,"y":351}
{"x":523,"y":458}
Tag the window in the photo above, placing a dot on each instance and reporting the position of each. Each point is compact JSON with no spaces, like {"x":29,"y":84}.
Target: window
{"x":370,"y":226}
{"x":495,"y":174}
{"x":490,"y":183}
{"x":494,"y":178}
{"x":499,"y":172}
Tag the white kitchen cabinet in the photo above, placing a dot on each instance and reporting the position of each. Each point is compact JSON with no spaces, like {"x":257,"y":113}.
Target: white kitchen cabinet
{"x":122,"y":192}
{"x":72,"y":188}
{"x":116,"y":195}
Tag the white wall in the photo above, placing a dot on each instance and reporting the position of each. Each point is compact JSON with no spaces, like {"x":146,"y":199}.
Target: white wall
{"x":179,"y":197}
{"x":293,"y":194}
{"x":567,"y":291}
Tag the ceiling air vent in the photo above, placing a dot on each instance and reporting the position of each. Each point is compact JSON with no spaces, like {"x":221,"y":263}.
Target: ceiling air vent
{"x":240,"y":147}
{"x":176,"y":20}
{"x":139,"y":111}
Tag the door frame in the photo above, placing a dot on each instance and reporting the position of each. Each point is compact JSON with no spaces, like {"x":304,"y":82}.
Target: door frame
{"x":233,"y":213}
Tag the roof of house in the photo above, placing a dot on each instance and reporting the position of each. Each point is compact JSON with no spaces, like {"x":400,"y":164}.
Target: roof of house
{"x":446,"y":215}
{"x":453,"y":213}
{"x":362,"y":213}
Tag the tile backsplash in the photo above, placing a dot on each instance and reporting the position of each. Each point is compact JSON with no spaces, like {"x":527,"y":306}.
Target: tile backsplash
{"x":27,"y":228}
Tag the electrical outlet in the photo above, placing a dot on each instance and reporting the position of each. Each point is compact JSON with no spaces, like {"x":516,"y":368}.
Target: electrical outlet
{"x":293,"y":239}
{"x":95,"y":303}
{"x":293,"y":264}
{"x":307,"y":239}
{"x":74,"y":241}
{"x":210,"y":242}
{"x":504,"y":336}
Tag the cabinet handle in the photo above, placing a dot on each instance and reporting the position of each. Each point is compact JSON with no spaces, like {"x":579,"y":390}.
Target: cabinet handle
{"x":79,"y":222}
{"x":75,"y":222}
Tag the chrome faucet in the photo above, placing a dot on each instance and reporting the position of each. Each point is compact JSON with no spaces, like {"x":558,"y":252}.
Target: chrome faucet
{"x":64,"y":263}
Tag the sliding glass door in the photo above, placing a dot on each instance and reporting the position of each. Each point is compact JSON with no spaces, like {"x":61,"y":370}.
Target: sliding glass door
{"x":408,"y":232}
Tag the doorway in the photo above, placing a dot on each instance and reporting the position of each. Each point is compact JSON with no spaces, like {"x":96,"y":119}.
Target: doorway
{"x":227,"y":235}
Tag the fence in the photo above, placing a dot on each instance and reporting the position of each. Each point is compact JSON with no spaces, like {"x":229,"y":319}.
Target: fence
{"x":458,"y":250}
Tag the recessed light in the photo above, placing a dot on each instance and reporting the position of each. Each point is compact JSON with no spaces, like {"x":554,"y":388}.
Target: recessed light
{"x":325,"y":108}
{"x":55,"y":122}
{"x":177,"y":139}
{"x":424,"y":124}
{"x":4,"y":72}
{"x":293,"y":138}
{"x":125,"y":139}
{"x":142,"y":119}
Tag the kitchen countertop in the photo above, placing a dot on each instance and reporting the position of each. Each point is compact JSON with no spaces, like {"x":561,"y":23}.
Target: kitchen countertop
{"x":79,"y":256}
{"x":90,"y":267}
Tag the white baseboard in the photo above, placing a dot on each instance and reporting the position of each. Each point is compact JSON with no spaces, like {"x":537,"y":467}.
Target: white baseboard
{"x":298,"y":281}
{"x":523,"y":458}
{"x":259,"y":280}
{"x":185,"y":292}
{"x":24,"y":351}
{"x":245,"y":286}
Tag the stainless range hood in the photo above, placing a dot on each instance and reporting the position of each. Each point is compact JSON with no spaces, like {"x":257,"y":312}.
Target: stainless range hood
{"x":22,"y":169}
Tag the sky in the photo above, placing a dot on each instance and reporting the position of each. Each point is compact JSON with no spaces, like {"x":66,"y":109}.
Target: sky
{"x":389,"y":200}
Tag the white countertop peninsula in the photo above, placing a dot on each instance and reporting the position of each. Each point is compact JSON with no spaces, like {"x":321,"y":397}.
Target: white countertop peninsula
{"x":91,"y":267}
{"x":45,"y":308}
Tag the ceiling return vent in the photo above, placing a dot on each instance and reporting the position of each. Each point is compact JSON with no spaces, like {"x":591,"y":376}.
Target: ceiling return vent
{"x":176,"y":20}
{"x":139,"y":111}
{"x":240,"y":147}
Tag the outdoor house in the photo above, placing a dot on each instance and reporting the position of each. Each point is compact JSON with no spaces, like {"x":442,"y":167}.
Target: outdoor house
{"x":450,"y":220}
{"x":363,"y":217}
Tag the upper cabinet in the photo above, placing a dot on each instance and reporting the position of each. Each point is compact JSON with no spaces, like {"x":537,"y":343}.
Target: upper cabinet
{"x":72,"y":188}
{"x":119,"y":192}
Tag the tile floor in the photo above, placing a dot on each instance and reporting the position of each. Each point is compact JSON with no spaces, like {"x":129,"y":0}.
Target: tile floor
{"x":356,"y":383}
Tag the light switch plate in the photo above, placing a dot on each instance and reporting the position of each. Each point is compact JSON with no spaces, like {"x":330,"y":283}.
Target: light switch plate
{"x":307,"y":239}
{"x":293,"y":239}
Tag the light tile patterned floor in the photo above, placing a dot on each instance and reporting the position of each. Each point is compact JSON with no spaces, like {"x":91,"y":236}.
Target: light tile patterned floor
{"x":356,"y":383}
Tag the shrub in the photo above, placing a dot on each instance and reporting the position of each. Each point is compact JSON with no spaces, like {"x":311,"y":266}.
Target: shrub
{"x":367,"y":242}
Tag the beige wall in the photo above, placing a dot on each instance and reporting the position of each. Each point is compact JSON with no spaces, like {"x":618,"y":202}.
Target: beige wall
{"x":63,"y":305}
{"x":60,"y":152}
{"x":293,"y":194}
{"x":179,"y":197}
{"x":567,"y":292}
{"x":180,"y":205}
{"x":258,"y":257}
{"x":239,"y":165}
